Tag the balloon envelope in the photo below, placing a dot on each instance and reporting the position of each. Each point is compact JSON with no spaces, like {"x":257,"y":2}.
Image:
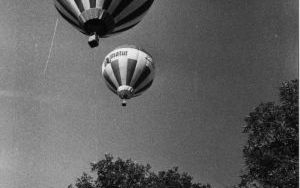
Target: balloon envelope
{"x":102,"y":18}
{"x":128,"y":71}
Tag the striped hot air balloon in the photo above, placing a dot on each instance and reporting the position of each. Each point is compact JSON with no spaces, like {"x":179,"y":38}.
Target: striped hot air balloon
{"x":102,"y":18}
{"x":128,"y":71}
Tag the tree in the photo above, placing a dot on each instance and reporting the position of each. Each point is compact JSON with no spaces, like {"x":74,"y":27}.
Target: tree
{"x":271,"y":152}
{"x":120,"y":173}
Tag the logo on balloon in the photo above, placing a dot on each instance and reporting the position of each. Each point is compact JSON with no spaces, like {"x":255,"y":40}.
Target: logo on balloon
{"x":117,"y":54}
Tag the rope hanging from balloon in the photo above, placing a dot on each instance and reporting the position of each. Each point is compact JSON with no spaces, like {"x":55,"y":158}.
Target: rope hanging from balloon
{"x":50,"y":49}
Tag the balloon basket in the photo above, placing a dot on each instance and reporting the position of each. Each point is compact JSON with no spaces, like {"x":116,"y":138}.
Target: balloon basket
{"x":93,"y":41}
{"x":124,"y":103}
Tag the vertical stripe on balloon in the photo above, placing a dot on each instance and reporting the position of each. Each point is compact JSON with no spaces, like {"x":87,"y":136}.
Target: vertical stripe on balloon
{"x":113,"y":6}
{"x":134,"y":16}
{"x":79,"y":5}
{"x":139,"y":91}
{"x":86,"y":4}
{"x":146,"y":80}
{"x":116,"y":70}
{"x":99,"y":3}
{"x":111,"y":75}
{"x":121,"y":29}
{"x":146,"y":71}
{"x":74,"y":23}
{"x":123,"y":61}
{"x":121,"y":26}
{"x":139,"y":67}
{"x":106,"y":4}
{"x":109,"y":81}
{"x":129,"y":9}
{"x":66,"y":6}
{"x":65,"y":12}
{"x":93,"y":3}
{"x":130,"y":70}
{"x":121,"y":7}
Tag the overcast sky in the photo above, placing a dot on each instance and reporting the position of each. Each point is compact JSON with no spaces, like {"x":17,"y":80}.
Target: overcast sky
{"x":215,"y":61}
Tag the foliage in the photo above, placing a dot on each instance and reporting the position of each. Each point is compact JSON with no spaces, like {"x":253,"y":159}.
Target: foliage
{"x":128,"y":174}
{"x":271,"y":152}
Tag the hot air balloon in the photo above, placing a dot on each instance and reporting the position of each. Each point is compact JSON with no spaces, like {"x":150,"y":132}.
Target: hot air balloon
{"x":128,"y":71}
{"x":102,"y":18}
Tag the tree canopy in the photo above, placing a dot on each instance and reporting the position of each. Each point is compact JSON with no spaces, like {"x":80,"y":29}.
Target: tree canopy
{"x":271,"y":152}
{"x":121,"y":173}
